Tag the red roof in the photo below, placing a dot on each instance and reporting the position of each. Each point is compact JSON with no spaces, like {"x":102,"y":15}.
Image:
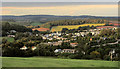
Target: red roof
{"x":115,"y":24}
{"x":41,"y":29}
{"x":105,"y":27}
{"x":74,"y":43}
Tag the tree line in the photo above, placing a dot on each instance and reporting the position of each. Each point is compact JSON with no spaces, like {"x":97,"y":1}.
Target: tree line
{"x":73,"y":22}
{"x":6,"y":27}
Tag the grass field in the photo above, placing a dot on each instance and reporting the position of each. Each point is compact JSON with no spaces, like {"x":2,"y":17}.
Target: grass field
{"x":0,"y":39}
{"x":10,"y":39}
{"x":54,"y":62}
{"x":59,"y":28}
{"x":35,"y":24}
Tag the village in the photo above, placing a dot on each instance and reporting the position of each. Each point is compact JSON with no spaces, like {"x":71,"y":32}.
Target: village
{"x":56,"y":38}
{"x":88,"y":41}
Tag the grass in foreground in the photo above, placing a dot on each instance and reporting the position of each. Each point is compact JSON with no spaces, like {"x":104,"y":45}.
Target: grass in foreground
{"x":54,"y":62}
{"x":59,"y":28}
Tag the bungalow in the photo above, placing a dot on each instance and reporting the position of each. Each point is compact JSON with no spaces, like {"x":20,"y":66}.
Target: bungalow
{"x":13,"y":31}
{"x":57,"y":43}
{"x":83,"y":33}
{"x":55,"y":36}
{"x":50,"y":38}
{"x":73,"y":44}
{"x":66,"y":40}
{"x":33,"y":48}
{"x":11,"y":35}
{"x":44,"y":38}
{"x":57,"y":50}
{"x":59,"y":38}
{"x":24,"y":48}
{"x":68,"y":51}
{"x":77,"y":34}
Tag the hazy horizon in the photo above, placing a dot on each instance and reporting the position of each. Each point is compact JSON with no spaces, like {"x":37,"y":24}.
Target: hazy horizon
{"x":60,"y":8}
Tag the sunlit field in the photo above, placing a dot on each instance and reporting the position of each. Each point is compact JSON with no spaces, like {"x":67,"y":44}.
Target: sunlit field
{"x":59,"y":28}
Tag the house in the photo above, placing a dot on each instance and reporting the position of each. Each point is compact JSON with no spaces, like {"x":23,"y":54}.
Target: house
{"x":60,"y":41}
{"x":93,"y":33}
{"x":59,"y":38}
{"x":103,"y":38}
{"x":50,"y":38}
{"x":13,"y":31}
{"x":66,"y":40}
{"x":57,"y":50}
{"x":24,"y":48}
{"x":91,"y":39}
{"x":106,"y":27}
{"x":11,"y":35}
{"x":83,"y":33}
{"x":74,"y":36}
{"x":112,"y":54}
{"x":55,"y":36}
{"x":33,"y":48}
{"x":57,"y":43}
{"x":73,"y":44}
{"x":37,"y":35}
{"x":53,"y":43}
{"x":77,"y":34}
{"x":44,"y":38}
{"x":69,"y":51}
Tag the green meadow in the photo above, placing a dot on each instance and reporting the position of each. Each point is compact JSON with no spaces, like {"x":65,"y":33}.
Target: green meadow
{"x":54,"y":62}
{"x":10,"y":39}
{"x":59,"y":28}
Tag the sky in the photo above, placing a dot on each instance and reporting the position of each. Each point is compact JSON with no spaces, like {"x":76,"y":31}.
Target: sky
{"x":59,"y":0}
{"x":60,"y":8}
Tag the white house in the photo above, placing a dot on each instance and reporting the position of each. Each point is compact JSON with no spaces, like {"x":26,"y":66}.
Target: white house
{"x":11,"y":35}
{"x":57,"y":50}
{"x":33,"y":48}
{"x":13,"y":31}
{"x":23,"y":48}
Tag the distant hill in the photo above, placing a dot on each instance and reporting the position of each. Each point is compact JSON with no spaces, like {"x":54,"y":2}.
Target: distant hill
{"x":41,"y":19}
{"x":48,"y":17}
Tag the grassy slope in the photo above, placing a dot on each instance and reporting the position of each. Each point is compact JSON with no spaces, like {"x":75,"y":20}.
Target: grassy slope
{"x":59,"y":28}
{"x":0,"y":39}
{"x":10,"y":39}
{"x":35,"y":24}
{"x":54,"y":62}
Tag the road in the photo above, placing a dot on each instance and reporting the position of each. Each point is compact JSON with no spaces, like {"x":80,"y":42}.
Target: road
{"x":107,"y":44}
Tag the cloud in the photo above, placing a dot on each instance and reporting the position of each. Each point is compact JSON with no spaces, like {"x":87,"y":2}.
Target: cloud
{"x":72,"y":10}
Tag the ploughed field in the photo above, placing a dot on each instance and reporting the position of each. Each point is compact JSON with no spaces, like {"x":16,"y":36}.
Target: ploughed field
{"x":54,"y":62}
{"x":59,"y":28}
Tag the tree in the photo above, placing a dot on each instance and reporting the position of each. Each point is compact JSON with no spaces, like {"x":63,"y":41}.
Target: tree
{"x":95,"y":54}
